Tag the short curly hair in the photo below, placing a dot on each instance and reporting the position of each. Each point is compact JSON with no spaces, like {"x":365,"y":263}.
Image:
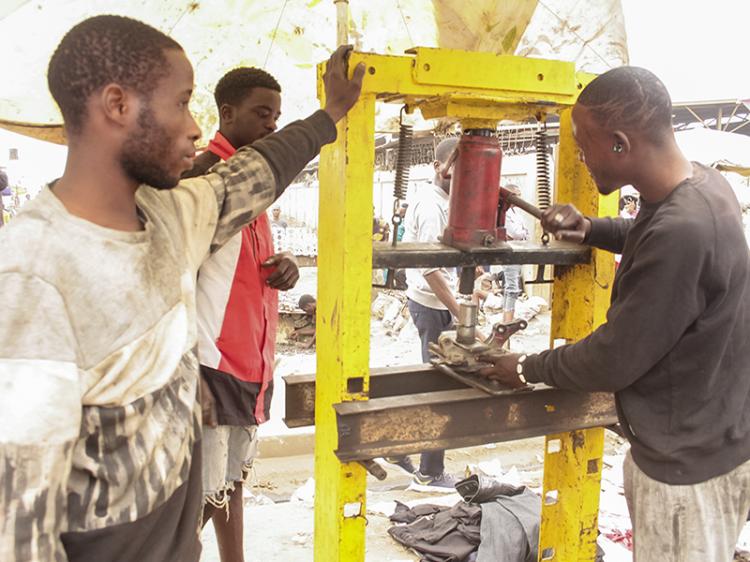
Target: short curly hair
{"x":237,"y":83}
{"x":630,"y":97}
{"x":445,"y":148}
{"x":102,"y":50}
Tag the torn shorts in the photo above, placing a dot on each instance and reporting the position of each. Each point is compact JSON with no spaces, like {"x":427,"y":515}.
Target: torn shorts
{"x":228,"y":455}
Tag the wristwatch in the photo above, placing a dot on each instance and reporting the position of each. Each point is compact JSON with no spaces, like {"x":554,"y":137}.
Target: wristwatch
{"x":519,"y":368}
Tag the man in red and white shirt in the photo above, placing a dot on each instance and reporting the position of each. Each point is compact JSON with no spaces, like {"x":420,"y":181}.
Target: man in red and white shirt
{"x":237,"y":316}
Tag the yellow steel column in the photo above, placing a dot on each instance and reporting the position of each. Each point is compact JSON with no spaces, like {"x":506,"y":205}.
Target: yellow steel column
{"x":343,"y":328}
{"x":573,"y":461}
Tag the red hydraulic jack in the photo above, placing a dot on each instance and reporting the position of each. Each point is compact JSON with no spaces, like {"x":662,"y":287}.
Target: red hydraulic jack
{"x":473,"y":224}
{"x":476,"y":214}
{"x":474,"y":197}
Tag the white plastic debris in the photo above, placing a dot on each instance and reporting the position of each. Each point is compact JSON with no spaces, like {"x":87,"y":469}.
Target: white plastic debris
{"x":493,"y":468}
{"x":302,"y":538}
{"x":255,"y":499}
{"x":529,"y":308}
{"x":305,"y":493}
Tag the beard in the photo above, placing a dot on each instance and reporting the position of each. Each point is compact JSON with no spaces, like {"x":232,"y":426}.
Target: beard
{"x":146,"y":150}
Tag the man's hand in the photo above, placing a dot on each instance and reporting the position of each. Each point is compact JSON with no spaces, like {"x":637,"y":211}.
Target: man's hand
{"x":208,"y":405}
{"x":566,"y":223}
{"x":341,"y":93}
{"x":504,"y":370}
{"x":287,"y":271}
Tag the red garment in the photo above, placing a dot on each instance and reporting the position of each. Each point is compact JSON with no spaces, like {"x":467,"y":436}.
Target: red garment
{"x":243,"y":330}
{"x":220,"y":146}
{"x":625,"y":538}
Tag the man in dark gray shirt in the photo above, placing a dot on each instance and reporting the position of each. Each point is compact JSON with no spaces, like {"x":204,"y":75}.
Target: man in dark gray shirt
{"x":674,"y":348}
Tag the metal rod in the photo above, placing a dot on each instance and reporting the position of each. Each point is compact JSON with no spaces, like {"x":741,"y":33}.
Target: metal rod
{"x":522,"y":204}
{"x":466,"y":280}
{"x":467,"y":314}
{"x":342,"y":22}
{"x":467,"y":323}
{"x":697,"y":117}
{"x":445,"y":170}
{"x":734,"y":111}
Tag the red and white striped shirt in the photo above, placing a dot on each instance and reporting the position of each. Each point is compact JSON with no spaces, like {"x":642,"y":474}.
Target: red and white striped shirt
{"x":237,"y":319}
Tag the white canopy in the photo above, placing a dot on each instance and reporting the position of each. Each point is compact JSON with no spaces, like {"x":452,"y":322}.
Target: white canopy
{"x":289,"y":38}
{"x":720,"y":149}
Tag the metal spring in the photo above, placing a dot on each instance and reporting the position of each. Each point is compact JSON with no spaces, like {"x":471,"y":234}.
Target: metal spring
{"x":543,"y":190}
{"x":403,"y":158}
{"x":401,"y":182}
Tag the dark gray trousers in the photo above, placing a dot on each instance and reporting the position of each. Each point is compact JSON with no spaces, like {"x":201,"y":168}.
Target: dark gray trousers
{"x":430,"y":322}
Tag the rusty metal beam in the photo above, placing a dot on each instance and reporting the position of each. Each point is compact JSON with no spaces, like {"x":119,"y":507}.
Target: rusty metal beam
{"x":384,"y":382}
{"x":417,"y":408}
{"x":462,"y":418}
{"x":407,"y":255}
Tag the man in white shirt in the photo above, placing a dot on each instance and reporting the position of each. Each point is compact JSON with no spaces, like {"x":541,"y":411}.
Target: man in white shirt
{"x":278,"y":228}
{"x":431,"y":301}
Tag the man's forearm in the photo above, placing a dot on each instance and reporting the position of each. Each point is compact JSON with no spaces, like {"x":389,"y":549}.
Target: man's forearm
{"x":289,"y":150}
{"x":608,"y":233}
{"x":442,"y":291}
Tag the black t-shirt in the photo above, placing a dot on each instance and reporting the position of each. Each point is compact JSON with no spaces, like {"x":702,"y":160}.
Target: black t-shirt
{"x":675,"y":348}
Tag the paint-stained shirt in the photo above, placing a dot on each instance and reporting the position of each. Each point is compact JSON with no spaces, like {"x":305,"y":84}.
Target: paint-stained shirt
{"x":99,"y":417}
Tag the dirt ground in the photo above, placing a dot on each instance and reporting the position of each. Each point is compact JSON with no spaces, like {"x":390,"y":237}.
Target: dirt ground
{"x":281,"y":527}
{"x":283,"y":531}
{"x":279,"y":503}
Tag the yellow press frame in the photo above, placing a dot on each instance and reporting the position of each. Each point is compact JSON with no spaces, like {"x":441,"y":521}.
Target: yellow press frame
{"x":478,"y":88}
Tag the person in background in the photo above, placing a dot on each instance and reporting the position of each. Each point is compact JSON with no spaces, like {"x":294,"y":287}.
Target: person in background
{"x":515,"y":230}
{"x":309,"y":306}
{"x":380,"y":228}
{"x":628,"y":206}
{"x":431,"y":301}
{"x":277,"y":220}
{"x":279,"y":229}
{"x":401,"y":227}
{"x":237,"y":316}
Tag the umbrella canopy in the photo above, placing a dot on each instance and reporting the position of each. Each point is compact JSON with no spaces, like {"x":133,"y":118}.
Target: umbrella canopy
{"x":289,"y":38}
{"x":725,"y":151}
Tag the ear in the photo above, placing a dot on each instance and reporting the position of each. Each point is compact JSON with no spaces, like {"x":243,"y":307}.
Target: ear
{"x":621,"y":139}
{"x":227,"y":113}
{"x":436,"y":165}
{"x":118,"y":105}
